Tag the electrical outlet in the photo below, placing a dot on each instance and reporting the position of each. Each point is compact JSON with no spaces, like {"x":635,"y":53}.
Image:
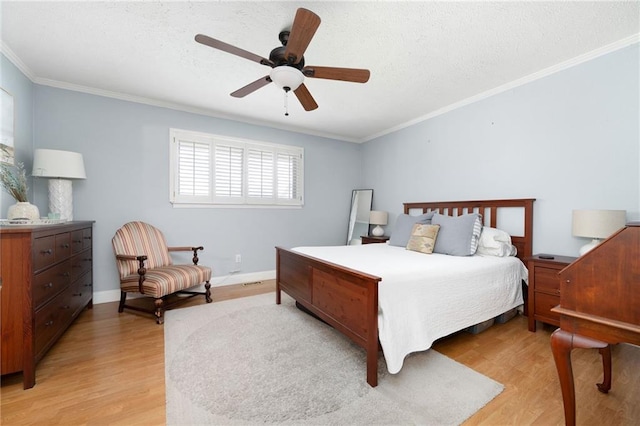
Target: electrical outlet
{"x":238,"y":258}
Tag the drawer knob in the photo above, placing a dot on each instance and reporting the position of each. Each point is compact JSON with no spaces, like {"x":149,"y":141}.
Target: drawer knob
{"x":65,"y":245}
{"x":77,"y":241}
{"x":47,"y":251}
{"x":65,"y":274}
{"x":77,"y":294}
{"x":48,"y":323}
{"x":48,"y":285}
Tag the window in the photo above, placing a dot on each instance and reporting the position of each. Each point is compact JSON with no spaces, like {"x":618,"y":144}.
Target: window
{"x":218,"y":170}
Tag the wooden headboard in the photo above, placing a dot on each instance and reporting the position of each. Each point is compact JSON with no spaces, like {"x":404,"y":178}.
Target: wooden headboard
{"x":489,"y":211}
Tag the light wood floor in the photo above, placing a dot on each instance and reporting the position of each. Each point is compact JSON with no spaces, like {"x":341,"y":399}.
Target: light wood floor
{"x":109,"y":369}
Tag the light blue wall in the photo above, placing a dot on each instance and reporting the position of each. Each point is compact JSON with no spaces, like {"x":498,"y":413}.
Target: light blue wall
{"x":126,"y":153}
{"x":570,"y":140}
{"x":21,"y":88}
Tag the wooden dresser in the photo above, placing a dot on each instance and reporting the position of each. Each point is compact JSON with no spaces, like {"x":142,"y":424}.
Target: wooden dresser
{"x":47,"y":280}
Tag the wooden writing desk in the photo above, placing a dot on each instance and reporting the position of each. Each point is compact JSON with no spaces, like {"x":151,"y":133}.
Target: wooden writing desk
{"x":599,"y":306}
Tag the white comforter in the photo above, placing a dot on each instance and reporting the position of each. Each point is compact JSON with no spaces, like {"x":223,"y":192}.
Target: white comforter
{"x":424,"y":297}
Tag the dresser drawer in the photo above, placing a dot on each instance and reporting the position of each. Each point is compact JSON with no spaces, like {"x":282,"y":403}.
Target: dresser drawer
{"x":44,"y":249}
{"x":54,"y":317}
{"x":76,"y":241}
{"x":547,"y":279}
{"x":51,"y":320}
{"x":80,"y":264}
{"x":543,"y":304}
{"x":50,"y":282}
{"x":87,"y":238}
{"x":62,"y":246}
{"x":81,"y":292}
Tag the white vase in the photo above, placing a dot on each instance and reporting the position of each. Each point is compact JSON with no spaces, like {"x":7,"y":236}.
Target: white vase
{"x":23,"y":210}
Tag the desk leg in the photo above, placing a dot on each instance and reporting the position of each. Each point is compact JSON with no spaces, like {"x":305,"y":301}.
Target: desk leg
{"x":605,"y":386}
{"x":562,"y":343}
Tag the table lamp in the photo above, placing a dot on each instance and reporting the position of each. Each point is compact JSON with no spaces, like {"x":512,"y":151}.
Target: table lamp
{"x":597,"y":225}
{"x":60,"y":167}
{"x":378,"y":218}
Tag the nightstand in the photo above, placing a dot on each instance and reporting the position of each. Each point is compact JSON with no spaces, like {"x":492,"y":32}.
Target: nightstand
{"x":373,"y":240}
{"x":544,"y":287}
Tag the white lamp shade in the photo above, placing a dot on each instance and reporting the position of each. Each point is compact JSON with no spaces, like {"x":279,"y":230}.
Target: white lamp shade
{"x":53,"y":163}
{"x":378,"y":217}
{"x":286,"y":76}
{"x":597,"y":223}
{"x":60,"y":167}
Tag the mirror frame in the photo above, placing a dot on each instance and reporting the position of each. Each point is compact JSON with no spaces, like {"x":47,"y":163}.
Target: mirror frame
{"x":361,"y":203}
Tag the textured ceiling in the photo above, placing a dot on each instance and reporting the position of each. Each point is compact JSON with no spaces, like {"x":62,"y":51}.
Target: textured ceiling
{"x":424,"y":57}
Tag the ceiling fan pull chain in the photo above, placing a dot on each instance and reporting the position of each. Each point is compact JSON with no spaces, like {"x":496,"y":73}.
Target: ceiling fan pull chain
{"x":286,"y":106}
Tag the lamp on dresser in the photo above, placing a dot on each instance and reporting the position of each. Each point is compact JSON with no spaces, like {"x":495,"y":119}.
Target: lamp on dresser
{"x":60,"y":167}
{"x":378,"y":218}
{"x":597,"y":225}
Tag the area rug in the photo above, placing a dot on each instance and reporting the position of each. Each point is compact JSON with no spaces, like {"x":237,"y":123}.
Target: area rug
{"x":250,"y":361}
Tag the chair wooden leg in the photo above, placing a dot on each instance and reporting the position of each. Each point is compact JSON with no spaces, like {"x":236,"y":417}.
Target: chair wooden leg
{"x":123,"y":297}
{"x":207,"y":293}
{"x":159,"y":302}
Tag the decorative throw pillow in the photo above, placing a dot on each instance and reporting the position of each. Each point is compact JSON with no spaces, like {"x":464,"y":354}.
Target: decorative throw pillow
{"x":458,"y":235}
{"x":423,"y":238}
{"x":404,"y":224}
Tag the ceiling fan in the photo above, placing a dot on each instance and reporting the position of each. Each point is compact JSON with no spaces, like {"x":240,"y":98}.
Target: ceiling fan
{"x":287,"y":61}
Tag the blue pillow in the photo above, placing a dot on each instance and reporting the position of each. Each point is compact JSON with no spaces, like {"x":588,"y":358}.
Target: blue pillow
{"x":404,"y":224}
{"x":458,"y":235}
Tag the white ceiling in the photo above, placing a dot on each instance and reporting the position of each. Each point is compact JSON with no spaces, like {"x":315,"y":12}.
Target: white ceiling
{"x":425,"y":57}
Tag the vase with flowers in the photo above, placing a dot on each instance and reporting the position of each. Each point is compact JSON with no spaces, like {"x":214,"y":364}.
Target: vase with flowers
{"x":14,"y":180}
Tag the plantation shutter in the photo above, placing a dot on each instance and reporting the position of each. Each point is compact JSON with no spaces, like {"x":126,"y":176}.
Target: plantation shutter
{"x":288,"y":177}
{"x":210,"y":169}
{"x":194,"y":170}
{"x":229,"y":166}
{"x":260,"y":177}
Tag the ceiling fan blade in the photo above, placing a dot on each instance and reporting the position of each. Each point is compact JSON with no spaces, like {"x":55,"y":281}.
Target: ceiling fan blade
{"x":251,"y":87}
{"x":304,"y":27}
{"x":344,"y":74}
{"x":305,"y":98}
{"x":225,"y":47}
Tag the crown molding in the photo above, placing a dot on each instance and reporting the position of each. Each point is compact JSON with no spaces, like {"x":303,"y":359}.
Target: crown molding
{"x":620,"y":44}
{"x":179,"y":107}
{"x":15,"y":60}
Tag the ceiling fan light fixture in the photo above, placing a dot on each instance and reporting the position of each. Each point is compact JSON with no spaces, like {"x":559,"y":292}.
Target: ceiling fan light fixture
{"x":286,"y":76}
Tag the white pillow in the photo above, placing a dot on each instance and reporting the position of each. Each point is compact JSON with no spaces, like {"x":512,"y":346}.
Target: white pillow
{"x":495,"y":242}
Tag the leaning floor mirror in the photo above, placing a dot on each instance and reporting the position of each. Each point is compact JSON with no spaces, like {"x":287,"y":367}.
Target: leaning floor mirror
{"x":361,"y":200}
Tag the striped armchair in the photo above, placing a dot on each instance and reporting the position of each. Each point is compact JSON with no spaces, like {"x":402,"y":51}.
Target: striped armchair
{"x":145,"y":267}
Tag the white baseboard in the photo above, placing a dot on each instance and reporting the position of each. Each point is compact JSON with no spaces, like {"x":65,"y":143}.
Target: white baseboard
{"x":231,"y":279}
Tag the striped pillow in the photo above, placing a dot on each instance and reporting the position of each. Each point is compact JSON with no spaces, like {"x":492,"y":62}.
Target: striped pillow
{"x":458,"y":235}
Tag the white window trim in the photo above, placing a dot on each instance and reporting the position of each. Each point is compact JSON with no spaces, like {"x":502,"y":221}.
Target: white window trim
{"x":210,"y":200}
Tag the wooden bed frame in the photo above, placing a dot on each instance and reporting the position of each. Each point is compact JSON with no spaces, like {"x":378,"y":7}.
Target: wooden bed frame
{"x":347,"y":299}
